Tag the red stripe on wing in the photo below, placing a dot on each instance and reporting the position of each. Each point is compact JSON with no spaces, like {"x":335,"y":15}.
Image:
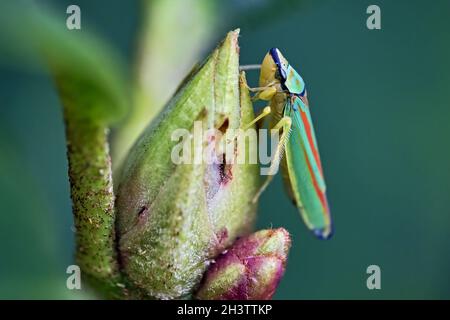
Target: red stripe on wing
{"x":322,"y":196}
{"x":309,"y":134}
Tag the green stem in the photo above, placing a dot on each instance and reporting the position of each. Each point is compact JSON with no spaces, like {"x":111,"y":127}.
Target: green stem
{"x":93,"y":200}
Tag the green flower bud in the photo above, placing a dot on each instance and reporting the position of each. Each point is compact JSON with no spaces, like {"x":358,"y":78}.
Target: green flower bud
{"x":250,"y":270}
{"x":173,"y":218}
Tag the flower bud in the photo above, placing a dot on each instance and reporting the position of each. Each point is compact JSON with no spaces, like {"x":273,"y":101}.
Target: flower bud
{"x":173,"y":218}
{"x":250,"y":270}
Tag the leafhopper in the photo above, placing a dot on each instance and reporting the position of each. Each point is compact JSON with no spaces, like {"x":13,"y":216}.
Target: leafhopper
{"x":288,"y":109}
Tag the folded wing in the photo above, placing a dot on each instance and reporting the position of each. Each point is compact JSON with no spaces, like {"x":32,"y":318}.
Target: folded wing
{"x":305,"y":169}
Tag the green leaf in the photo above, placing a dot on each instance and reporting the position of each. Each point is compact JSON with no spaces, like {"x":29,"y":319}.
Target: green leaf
{"x":88,"y":72}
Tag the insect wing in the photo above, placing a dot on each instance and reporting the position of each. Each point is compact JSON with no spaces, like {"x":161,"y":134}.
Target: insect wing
{"x":305,"y":169}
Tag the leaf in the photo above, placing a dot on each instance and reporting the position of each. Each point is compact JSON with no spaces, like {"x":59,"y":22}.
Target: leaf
{"x":88,"y":72}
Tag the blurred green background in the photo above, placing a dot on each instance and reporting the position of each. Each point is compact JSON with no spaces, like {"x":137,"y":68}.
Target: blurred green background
{"x":380,"y":102}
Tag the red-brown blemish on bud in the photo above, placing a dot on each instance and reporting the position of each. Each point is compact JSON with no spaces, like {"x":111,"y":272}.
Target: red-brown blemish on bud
{"x":142,"y":215}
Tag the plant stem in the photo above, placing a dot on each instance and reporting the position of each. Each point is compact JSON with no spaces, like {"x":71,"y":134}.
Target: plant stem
{"x":93,"y":200}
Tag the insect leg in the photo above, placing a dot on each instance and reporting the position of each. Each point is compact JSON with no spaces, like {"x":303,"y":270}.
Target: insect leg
{"x":285,"y":124}
{"x":264,"y":93}
{"x":265,"y":112}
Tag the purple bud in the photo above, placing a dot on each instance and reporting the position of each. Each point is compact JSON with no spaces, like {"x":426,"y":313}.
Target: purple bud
{"x":250,"y":270}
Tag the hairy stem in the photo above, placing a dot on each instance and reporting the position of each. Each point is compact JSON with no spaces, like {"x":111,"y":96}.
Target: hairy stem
{"x":93,"y":200}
